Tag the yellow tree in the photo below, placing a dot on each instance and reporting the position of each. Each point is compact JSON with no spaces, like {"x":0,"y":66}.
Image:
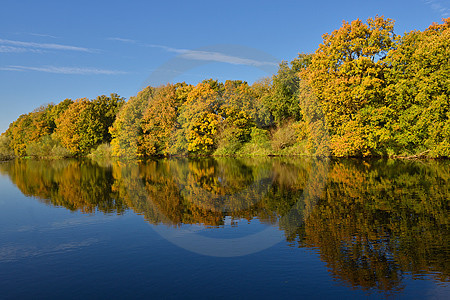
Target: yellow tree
{"x":159,"y":119}
{"x":239,"y":109}
{"x":199,"y":117}
{"x":30,"y":128}
{"x":347,"y":75}
{"x":74,"y":133}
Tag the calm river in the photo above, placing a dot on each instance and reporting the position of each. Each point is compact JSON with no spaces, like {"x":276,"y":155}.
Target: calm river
{"x":225,"y":228}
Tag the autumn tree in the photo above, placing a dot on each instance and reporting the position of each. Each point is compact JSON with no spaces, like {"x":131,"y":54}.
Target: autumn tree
{"x":199,"y":118}
{"x":84,"y":124}
{"x":126,"y":132}
{"x":347,"y":75}
{"x":160,"y":119}
{"x":30,"y":128}
{"x":239,"y":109}
{"x":418,"y":91}
{"x":5,"y":148}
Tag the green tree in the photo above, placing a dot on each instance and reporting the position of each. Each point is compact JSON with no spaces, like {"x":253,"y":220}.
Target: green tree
{"x":282,"y":98}
{"x":126,"y":132}
{"x":418,"y":91}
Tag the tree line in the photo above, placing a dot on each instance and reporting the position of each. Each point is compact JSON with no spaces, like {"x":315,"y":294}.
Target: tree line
{"x":366,"y":91}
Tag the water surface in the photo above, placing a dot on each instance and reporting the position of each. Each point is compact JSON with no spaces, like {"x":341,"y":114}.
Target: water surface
{"x":202,"y":228}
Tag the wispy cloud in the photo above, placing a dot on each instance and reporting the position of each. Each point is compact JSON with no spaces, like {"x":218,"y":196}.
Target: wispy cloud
{"x":220,"y":57}
{"x":11,"y":49}
{"x":122,"y":40}
{"x":64,"y":70}
{"x":439,"y":7}
{"x":214,"y":56}
{"x":43,"y":35}
{"x":30,"y":46}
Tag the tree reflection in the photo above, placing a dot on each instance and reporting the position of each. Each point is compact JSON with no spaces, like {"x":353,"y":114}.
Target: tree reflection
{"x":371,"y":221}
{"x":73,"y":184}
{"x":381,"y":219}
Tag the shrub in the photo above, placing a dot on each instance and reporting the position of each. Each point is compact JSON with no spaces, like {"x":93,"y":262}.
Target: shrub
{"x":47,"y":146}
{"x":259,"y":144}
{"x":103,"y":151}
{"x":229,"y":142}
{"x":285,"y":136}
{"x":6,"y":152}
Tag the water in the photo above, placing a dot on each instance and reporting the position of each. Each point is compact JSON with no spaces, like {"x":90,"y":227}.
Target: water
{"x":245,"y":228}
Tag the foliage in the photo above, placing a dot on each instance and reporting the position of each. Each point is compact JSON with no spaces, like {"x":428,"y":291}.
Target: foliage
{"x":159,"y":119}
{"x":126,"y":131}
{"x":47,"y":146}
{"x":364,"y":92}
{"x":419,"y":91}
{"x":29,"y":128}
{"x":314,"y":128}
{"x":103,"y":151}
{"x":258,"y":145}
{"x":282,"y":98}
{"x":347,"y":75}
{"x":6,"y":152}
{"x":229,"y":142}
{"x":284,"y":137}
{"x":84,"y":124}
{"x":199,"y":118}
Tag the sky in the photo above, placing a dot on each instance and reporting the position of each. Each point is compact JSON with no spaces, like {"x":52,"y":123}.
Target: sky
{"x":53,"y":50}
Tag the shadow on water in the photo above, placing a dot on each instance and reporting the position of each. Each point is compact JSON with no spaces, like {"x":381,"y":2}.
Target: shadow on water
{"x":372,"y":222}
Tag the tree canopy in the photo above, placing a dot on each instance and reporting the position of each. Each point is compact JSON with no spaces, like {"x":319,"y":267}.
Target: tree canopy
{"x":364,"y":92}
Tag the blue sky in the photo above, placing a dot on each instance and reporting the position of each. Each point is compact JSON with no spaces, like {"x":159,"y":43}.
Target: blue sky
{"x":53,"y":50}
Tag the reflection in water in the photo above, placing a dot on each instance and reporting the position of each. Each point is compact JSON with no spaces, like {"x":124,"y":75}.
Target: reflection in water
{"x":371,"y":221}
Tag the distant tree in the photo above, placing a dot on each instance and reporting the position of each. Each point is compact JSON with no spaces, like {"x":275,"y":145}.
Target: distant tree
{"x":282,"y":97}
{"x":160,"y":119}
{"x":239,"y":109}
{"x":6,"y":152}
{"x":126,"y":132}
{"x":262,"y":115}
{"x":30,"y":128}
{"x":199,"y":118}
{"x":84,"y":124}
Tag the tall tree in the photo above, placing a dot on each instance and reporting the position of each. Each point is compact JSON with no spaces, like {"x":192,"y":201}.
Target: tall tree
{"x":347,"y":75}
{"x":282,"y":99}
{"x":126,"y":132}
{"x":159,"y":119}
{"x":418,"y":91}
{"x":199,"y":117}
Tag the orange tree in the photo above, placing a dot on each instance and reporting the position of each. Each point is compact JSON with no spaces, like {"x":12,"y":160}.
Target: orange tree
{"x":84,"y":124}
